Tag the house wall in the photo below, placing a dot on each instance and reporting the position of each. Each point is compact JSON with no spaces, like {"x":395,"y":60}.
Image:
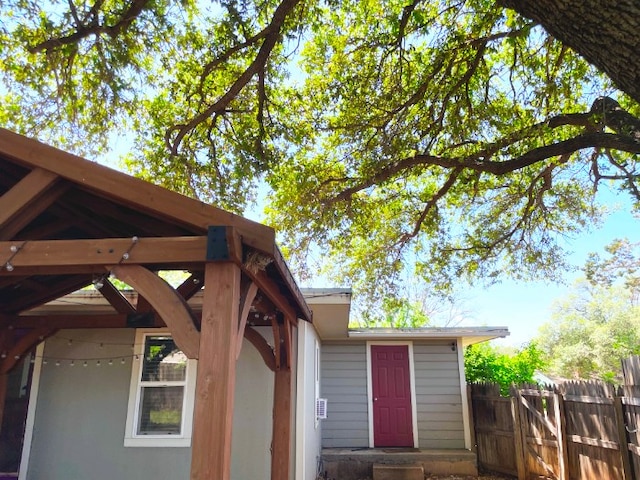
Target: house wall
{"x":80,"y":415}
{"x":308,"y":430}
{"x":438,"y":395}
{"x":437,"y":387}
{"x":344,"y":385}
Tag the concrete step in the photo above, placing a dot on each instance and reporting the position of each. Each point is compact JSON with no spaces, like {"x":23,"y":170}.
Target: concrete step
{"x":398,"y":472}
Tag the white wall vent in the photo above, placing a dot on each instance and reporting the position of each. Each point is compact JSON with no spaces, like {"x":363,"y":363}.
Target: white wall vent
{"x":321,"y":408}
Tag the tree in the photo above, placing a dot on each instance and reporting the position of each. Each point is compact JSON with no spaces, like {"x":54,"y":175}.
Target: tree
{"x":621,"y":263}
{"x":459,"y":137}
{"x":486,"y":363}
{"x":591,"y":331}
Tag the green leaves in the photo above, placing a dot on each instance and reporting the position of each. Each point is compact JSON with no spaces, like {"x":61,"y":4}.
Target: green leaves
{"x":452,"y":138}
{"x":484,"y":362}
{"x":591,"y":331}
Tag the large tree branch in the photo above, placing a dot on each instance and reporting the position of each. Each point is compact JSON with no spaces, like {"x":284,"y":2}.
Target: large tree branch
{"x":565,"y":147}
{"x":175,"y":135}
{"x":93,"y":29}
{"x":603,"y":33}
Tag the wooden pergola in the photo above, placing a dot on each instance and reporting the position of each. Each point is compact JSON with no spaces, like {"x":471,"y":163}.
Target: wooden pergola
{"x":66,"y":223}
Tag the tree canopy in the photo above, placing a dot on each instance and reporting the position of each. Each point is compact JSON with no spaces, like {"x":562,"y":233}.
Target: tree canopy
{"x":591,"y":331}
{"x":457,"y":137}
{"x":485,"y":362}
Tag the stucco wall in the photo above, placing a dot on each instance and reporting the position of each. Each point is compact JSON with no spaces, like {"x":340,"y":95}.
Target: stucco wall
{"x":81,"y":411}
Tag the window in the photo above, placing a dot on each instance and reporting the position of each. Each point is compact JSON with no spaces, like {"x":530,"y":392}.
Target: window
{"x":161,"y":394}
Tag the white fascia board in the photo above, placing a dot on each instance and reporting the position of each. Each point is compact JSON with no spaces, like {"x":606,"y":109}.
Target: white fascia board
{"x":468,"y":335}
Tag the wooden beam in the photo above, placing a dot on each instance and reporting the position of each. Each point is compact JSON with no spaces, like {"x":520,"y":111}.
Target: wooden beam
{"x":213,"y":411}
{"x":271,"y":291}
{"x":288,"y":341}
{"x":263,"y":348}
{"x":45,"y":293}
{"x":23,"y":193}
{"x":165,"y":300}
{"x":277,"y":341}
{"x":3,"y":395}
{"x":115,"y":298}
{"x":131,"y":191}
{"x":20,"y":223}
{"x":247,"y":296}
{"x":281,"y":433}
{"x":64,"y":321}
{"x":191,"y":285}
{"x":23,"y":345}
{"x":57,"y":254}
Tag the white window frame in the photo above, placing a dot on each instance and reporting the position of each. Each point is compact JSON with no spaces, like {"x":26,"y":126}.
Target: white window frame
{"x":131,"y":438}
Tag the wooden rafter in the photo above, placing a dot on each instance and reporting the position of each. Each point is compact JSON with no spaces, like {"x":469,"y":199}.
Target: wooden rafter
{"x":16,"y":200}
{"x":137,"y":193}
{"x":165,"y":300}
{"x":268,"y":288}
{"x":45,"y":293}
{"x":191,"y":285}
{"x":115,"y":297}
{"x":41,"y":202}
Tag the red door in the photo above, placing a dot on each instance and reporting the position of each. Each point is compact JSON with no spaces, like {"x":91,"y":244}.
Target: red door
{"x":391,"y":389}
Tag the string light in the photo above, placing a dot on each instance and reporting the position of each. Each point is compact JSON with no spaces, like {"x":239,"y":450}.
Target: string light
{"x":9,"y":267}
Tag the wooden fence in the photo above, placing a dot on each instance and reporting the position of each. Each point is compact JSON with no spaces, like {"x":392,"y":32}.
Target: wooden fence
{"x":574,"y":431}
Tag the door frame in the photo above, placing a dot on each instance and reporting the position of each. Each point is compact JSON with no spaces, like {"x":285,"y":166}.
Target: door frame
{"x":412,"y":385}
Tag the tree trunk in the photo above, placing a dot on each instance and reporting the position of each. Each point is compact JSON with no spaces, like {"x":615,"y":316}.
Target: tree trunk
{"x":605,"y":33}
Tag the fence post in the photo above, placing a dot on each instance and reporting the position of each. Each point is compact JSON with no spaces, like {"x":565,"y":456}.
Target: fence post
{"x":472,"y":421}
{"x":563,"y":454}
{"x":622,"y":438}
{"x":517,"y":434}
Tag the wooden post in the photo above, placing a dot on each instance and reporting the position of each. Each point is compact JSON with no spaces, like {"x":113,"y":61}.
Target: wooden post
{"x":3,"y":396}
{"x":518,"y":435}
{"x":561,"y":436}
{"x":281,"y":434}
{"x":213,"y":410}
{"x":472,"y":423}
{"x":622,"y":438}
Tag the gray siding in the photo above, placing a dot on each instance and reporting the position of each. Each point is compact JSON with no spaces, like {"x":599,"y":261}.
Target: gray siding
{"x":437,"y":386}
{"x":344,"y":384}
{"x":439,"y":403}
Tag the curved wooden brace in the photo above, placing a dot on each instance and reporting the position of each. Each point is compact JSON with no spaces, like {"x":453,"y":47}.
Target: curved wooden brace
{"x":246,"y":300}
{"x":24,"y":345}
{"x":264,"y":349}
{"x":165,"y":300}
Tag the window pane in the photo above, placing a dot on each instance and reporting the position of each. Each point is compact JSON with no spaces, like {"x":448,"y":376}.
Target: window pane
{"x":163,"y":360}
{"x":160,"y":410}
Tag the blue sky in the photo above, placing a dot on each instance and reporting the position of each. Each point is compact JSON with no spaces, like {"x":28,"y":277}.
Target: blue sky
{"x":523,"y":307}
